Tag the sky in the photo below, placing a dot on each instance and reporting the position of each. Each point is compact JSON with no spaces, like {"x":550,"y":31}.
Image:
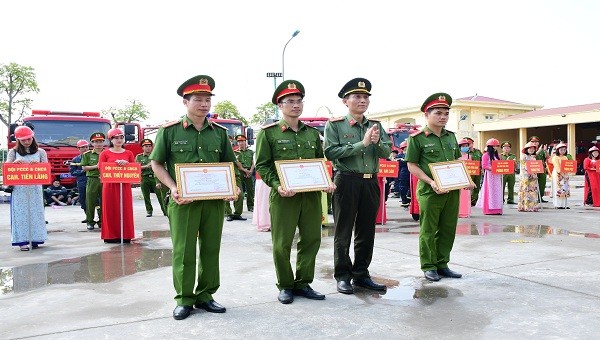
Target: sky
{"x":90,"y":56}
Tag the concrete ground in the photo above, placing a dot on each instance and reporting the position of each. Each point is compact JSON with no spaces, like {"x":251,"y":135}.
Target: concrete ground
{"x":525,"y":275}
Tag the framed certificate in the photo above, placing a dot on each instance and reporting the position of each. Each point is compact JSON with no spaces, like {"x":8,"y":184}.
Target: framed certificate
{"x":303,"y":175}
{"x":450,"y":175}
{"x":205,"y":181}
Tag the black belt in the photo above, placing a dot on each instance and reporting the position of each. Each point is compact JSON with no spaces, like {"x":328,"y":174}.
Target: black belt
{"x":356,"y":174}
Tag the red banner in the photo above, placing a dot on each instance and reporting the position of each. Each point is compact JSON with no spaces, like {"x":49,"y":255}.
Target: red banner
{"x":26,"y":174}
{"x":329,"y":167}
{"x":388,"y":168}
{"x":472,"y":167}
{"x":114,"y":173}
{"x":569,"y":166}
{"x":535,"y":167}
{"x":503,"y":167}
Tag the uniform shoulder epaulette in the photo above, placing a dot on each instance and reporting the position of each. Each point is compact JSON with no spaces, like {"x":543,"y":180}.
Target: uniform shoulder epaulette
{"x":450,"y":131}
{"x":221,"y":126}
{"x":88,"y":151}
{"x":374,"y":120}
{"x":168,"y":124}
{"x":416,"y":133}
{"x":269,"y":125}
{"x":139,"y":154}
{"x":337,"y":119}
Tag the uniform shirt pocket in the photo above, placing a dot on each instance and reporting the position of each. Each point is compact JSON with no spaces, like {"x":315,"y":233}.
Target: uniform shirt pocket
{"x":431,"y":151}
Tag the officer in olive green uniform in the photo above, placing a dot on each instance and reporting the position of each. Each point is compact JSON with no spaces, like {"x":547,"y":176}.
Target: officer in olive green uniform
{"x":93,"y":188}
{"x":355,"y":144}
{"x":162,"y":193}
{"x":541,"y":155}
{"x":510,"y":178}
{"x":238,"y":204}
{"x":438,"y":208}
{"x":475,"y":155}
{"x":246,"y":157}
{"x":285,"y":140}
{"x":193,"y":139}
{"x":148,"y":182}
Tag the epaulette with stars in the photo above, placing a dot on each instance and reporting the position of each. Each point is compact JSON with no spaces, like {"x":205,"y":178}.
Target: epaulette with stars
{"x":416,"y":133}
{"x":270,"y":125}
{"x":337,"y":119}
{"x":221,"y":126}
{"x":166,"y":125}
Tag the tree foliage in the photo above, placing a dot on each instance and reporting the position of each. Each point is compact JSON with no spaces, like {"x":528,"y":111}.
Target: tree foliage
{"x":264,"y":112}
{"x":227,"y":110}
{"x":16,"y":82}
{"x":134,"y":111}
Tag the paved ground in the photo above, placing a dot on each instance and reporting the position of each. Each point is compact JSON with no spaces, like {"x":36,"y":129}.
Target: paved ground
{"x":525,"y":275}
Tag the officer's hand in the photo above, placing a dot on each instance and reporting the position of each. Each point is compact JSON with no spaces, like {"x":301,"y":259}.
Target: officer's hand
{"x":158,"y":186}
{"x":330,"y":189}
{"x":285,"y":193}
{"x":176,"y":199}
{"x":471,"y":186}
{"x":237,"y":194}
{"x":436,"y":189}
{"x":375,"y":134}
{"x":367,"y":138}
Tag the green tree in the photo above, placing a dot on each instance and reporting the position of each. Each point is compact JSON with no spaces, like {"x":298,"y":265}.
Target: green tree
{"x":132,"y":112}
{"x":227,"y":110}
{"x":264,"y":112}
{"x":16,"y":81}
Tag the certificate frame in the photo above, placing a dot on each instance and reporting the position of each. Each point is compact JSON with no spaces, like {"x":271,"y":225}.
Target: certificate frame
{"x":303,"y":175}
{"x":450,"y":175}
{"x":205,"y":181}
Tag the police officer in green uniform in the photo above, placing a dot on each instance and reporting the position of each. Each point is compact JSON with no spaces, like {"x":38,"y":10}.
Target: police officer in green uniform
{"x":162,"y":193}
{"x":290,"y":139}
{"x":238,"y":204}
{"x":148,"y":181}
{"x":508,"y":179}
{"x":93,"y":188}
{"x":438,"y":208}
{"x":246,"y":157}
{"x":541,"y":155}
{"x":355,"y":144}
{"x":475,"y":155}
{"x":193,"y":139}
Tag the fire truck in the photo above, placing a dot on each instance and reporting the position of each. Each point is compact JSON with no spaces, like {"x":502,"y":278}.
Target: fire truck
{"x":400,"y":133}
{"x":316,"y":122}
{"x":57,"y":132}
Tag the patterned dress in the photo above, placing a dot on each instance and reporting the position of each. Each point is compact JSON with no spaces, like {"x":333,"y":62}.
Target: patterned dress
{"x":560,"y":183}
{"x":528,"y":188}
{"x":27,"y":219}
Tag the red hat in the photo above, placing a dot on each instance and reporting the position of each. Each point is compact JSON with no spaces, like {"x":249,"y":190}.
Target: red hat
{"x":81,"y":143}
{"x":146,"y":141}
{"x":527,"y":146}
{"x":23,"y":132}
{"x":492,"y":142}
{"x":593,"y":148}
{"x":437,"y":100}
{"x":464,"y":141}
{"x":114,"y":132}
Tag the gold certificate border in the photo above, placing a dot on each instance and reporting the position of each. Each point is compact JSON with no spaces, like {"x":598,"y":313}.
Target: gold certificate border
{"x":227,"y":167}
{"x":435,"y":166}
{"x":283,"y":179}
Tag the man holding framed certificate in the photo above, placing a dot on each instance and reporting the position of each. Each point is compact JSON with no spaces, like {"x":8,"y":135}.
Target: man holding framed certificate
{"x":355,"y":144}
{"x":196,"y":206}
{"x":438,"y":204}
{"x":289,"y":159}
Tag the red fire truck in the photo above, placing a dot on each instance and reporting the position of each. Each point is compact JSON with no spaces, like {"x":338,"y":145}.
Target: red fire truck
{"x":316,"y":122}
{"x":400,"y":133}
{"x":58,"y":132}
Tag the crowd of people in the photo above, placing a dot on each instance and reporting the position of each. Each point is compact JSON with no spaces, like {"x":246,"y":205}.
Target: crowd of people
{"x":353,"y":143}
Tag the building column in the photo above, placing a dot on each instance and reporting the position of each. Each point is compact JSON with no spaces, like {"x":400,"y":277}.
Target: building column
{"x":571,"y":140}
{"x":522,"y":140}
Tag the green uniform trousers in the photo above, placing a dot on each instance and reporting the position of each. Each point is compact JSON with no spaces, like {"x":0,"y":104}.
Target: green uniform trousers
{"x":510,"y":180}
{"x":147,"y":186}
{"x":199,"y":223}
{"x":162,"y":194}
{"x":542,"y":183}
{"x":475,"y":192}
{"x":93,"y":198}
{"x":248,"y":184}
{"x":303,"y":210}
{"x":438,"y":218}
{"x":238,"y":204}
{"x":355,"y":204}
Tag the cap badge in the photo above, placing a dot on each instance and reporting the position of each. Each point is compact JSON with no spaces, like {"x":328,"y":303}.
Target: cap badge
{"x":442,"y":98}
{"x":361,"y":84}
{"x":291,"y":86}
{"x":203,"y":81}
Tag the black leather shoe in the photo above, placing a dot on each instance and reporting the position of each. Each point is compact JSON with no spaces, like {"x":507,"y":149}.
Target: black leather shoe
{"x":369,"y":284}
{"x":211,"y":306}
{"x":149,"y":214}
{"x":251,"y":209}
{"x":286,"y":296}
{"x":309,"y":293}
{"x":432,"y":275}
{"x":446,"y":272}
{"x":238,"y":217}
{"x":90,"y":226}
{"x":182,"y":312}
{"x":345,"y":287}
{"x":84,"y":221}
{"x":229,"y":218}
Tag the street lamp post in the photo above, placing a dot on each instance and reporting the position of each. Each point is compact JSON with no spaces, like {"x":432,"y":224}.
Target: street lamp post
{"x":283,"y":55}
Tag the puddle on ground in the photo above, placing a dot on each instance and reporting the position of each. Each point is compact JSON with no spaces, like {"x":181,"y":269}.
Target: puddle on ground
{"x":101,"y":267}
{"x":410,"y":291}
{"x":536,"y":230}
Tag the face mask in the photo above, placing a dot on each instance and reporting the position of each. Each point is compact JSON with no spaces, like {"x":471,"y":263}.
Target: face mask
{"x":464,"y":149}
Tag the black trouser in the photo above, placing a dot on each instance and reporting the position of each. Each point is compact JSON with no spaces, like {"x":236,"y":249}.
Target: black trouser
{"x":355,"y":204}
